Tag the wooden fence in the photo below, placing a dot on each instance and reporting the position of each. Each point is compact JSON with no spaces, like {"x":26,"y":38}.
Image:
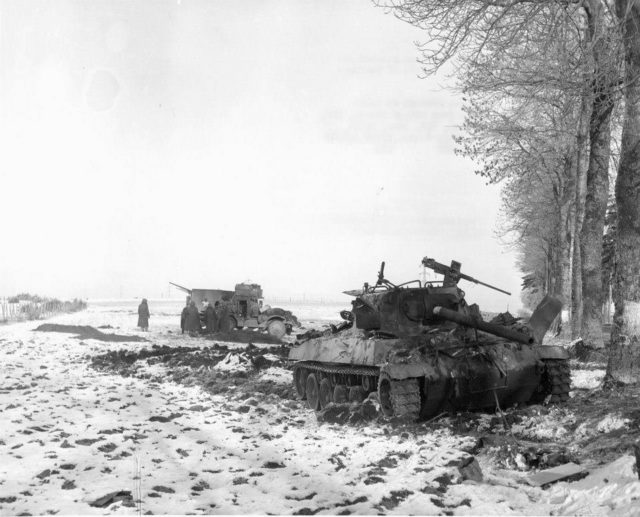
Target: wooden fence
{"x":24,"y":310}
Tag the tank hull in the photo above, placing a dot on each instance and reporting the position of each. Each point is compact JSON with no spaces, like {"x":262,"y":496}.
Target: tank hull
{"x":445,"y":373}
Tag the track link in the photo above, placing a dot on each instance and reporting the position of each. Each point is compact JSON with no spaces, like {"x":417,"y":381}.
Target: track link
{"x":559,"y":380}
{"x":399,"y":398}
{"x":555,"y":382}
{"x":344,"y":370}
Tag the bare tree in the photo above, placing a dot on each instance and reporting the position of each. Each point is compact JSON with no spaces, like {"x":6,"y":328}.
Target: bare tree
{"x":604,"y":83}
{"x":624,"y":357}
{"x":470,"y":32}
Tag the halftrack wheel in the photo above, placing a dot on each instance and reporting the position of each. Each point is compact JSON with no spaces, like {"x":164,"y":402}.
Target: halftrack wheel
{"x":399,"y":398}
{"x":276,"y":329}
{"x":555,"y":381}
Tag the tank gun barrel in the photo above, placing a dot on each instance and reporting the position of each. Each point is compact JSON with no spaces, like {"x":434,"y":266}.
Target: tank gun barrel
{"x":454,"y":274}
{"x":491,"y":328}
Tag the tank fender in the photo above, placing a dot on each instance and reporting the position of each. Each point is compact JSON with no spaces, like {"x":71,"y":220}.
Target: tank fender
{"x":343,"y":348}
{"x":407,"y":370}
{"x":551,"y":352}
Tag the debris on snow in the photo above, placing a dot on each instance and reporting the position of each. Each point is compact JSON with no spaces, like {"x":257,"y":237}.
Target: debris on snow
{"x":112,"y":497}
{"x":470,"y":470}
{"x":233,"y":361}
{"x":561,"y":472}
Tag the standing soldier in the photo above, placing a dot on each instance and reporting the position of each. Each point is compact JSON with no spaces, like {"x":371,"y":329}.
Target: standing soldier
{"x":183,"y":316}
{"x":224,"y":321}
{"x":192,"y":319}
{"x":143,"y":315}
{"x":211,"y":319}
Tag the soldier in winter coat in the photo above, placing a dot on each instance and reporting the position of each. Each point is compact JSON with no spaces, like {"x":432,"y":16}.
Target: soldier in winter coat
{"x":192,"y":319}
{"x":143,"y":315}
{"x":211,"y":319}
{"x":183,"y":316}
{"x":224,"y":320}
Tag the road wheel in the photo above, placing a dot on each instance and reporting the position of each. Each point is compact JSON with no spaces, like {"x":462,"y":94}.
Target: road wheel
{"x":384,"y":394}
{"x":340,"y":394}
{"x":356,"y":394}
{"x":313,"y":392}
{"x":300,"y":382}
{"x":326,"y":393}
{"x":277,"y":329}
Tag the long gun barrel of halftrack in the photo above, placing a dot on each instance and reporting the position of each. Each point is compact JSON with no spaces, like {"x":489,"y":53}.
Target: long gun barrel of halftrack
{"x":491,"y":328}
{"x":188,"y":291}
{"x":453,"y":273}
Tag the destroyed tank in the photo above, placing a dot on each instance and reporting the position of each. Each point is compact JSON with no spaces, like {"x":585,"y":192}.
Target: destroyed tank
{"x":425,"y":351}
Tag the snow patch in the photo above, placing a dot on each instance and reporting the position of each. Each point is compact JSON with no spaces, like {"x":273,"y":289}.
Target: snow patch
{"x":277,"y":375}
{"x":546,"y":427}
{"x":611,"y":423}
{"x":233,"y":362}
{"x":587,"y":379}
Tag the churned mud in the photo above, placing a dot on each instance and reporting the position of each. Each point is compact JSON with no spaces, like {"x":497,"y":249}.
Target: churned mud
{"x":215,"y":369}
{"x":243,"y":336}
{"x":87,"y":332}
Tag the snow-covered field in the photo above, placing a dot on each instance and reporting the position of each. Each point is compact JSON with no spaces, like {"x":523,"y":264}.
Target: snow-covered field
{"x":74,"y":440}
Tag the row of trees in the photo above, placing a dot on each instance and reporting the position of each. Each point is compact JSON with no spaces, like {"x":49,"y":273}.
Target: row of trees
{"x":551,"y":93}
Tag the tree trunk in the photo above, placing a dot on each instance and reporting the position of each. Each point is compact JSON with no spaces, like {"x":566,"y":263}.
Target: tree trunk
{"x":624,"y":357}
{"x":597,"y":188}
{"x":593,"y":225}
{"x":566,"y":214}
{"x":582,"y":164}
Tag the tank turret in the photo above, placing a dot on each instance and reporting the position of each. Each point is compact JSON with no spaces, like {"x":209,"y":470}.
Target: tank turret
{"x":392,"y":341}
{"x":412,"y":308}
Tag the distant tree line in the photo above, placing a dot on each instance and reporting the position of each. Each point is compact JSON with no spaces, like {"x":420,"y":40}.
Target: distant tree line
{"x":551,"y":97}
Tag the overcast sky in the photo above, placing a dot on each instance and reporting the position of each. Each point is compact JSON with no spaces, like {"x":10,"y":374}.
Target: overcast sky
{"x":211,"y":142}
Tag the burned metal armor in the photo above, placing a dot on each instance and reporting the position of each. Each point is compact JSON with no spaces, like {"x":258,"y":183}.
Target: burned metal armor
{"x":422,"y":350}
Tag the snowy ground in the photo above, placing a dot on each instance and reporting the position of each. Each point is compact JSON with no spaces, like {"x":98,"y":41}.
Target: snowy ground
{"x":157,"y":436}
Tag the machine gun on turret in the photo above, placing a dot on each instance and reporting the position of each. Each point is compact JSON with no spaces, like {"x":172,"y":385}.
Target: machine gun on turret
{"x":452,"y":274}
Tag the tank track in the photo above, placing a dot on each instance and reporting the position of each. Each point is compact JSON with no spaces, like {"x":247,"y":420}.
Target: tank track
{"x":555,"y":382}
{"x":404,"y":395}
{"x":559,"y":380}
{"x":401,"y":397}
{"x":341,"y":370}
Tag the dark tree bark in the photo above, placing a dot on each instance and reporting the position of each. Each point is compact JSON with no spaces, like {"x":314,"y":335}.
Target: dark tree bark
{"x":624,"y":357}
{"x":578,"y":217}
{"x":593,"y":229}
{"x":597,"y":184}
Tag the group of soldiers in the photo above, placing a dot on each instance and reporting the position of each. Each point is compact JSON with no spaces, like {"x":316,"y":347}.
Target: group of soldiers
{"x":212,"y":319}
